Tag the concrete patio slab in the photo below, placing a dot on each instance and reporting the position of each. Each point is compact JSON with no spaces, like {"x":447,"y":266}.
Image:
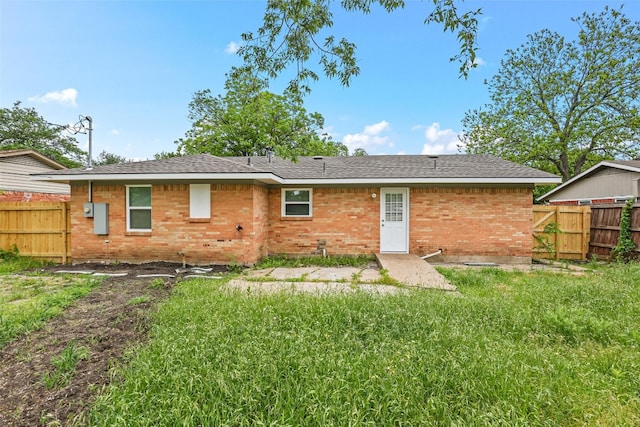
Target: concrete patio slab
{"x":370,"y":275}
{"x":259,"y":273}
{"x":333,"y":273}
{"x":291,"y":273}
{"x":411,"y":270}
{"x":311,"y":287}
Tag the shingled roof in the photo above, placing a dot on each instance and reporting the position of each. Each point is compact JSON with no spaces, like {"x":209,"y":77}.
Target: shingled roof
{"x":407,"y":169}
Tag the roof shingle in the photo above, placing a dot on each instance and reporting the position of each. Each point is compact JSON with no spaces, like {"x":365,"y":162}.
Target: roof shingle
{"x":454,"y":166}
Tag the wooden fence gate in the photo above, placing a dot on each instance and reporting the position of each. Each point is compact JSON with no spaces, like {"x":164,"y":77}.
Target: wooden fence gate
{"x":38,"y":229}
{"x":561,"y":232}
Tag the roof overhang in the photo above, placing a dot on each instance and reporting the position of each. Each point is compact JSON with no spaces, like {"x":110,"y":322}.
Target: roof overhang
{"x":409,"y":181}
{"x":269,"y":178}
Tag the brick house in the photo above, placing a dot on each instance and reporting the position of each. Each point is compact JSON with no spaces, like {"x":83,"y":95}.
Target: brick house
{"x":611,"y":181}
{"x":210,"y":209}
{"x":17,"y":186}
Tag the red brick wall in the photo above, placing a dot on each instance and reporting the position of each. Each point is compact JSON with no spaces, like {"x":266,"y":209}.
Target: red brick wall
{"x":464,"y":222}
{"x":347,"y":218}
{"x":21,"y":196}
{"x":576,"y":202}
{"x":486,"y":222}
{"x":173,"y":232}
{"x":260,"y":224}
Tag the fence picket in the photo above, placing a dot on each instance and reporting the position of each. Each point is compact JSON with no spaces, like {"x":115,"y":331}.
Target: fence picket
{"x":38,"y":229}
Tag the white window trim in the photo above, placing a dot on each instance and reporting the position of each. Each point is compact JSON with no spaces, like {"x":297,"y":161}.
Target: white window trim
{"x":283,"y":211}
{"x":129,"y":208}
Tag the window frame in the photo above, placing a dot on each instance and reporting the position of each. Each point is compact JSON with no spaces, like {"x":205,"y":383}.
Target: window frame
{"x":138,"y":208}
{"x":284,"y":203}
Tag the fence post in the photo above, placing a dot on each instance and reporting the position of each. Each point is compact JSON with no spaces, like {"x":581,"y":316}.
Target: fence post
{"x":63,"y":210}
{"x":586,"y":232}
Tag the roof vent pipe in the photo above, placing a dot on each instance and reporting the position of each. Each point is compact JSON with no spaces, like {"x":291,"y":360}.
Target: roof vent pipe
{"x":249,"y":161}
{"x":324,"y":168}
{"x":269,"y":154}
{"x":435,"y":161}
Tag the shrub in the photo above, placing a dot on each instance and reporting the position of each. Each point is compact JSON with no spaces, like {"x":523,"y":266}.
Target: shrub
{"x":11,"y":253}
{"x":624,"y":250}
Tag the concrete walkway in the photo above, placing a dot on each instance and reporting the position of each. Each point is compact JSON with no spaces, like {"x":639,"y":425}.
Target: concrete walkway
{"x":411,"y":270}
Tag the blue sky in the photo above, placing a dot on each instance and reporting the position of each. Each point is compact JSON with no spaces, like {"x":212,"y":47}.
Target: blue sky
{"x":133,"y":65}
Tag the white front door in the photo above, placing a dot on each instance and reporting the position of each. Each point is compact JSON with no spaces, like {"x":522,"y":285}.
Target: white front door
{"x":394,"y":220}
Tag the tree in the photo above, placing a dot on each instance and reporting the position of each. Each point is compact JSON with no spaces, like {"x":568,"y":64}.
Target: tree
{"x":291,"y":35}
{"x":563,"y":105}
{"x":359,"y":152}
{"x":165,"y":155}
{"x":23,"y":128}
{"x":105,"y":158}
{"x":249,"y":120}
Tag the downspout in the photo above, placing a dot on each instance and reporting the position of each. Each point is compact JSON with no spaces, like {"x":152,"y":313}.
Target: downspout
{"x":438,"y":252}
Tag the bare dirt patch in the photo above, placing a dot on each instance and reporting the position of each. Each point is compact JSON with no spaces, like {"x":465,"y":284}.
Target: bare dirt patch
{"x":105,"y":321}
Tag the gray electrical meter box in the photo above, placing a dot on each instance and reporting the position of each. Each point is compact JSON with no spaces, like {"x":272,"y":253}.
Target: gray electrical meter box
{"x":100,"y":218}
{"x":87,"y":210}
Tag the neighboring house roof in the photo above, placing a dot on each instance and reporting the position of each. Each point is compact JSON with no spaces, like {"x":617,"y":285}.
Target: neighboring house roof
{"x":458,"y":168}
{"x":622,"y":165}
{"x":34,"y":155}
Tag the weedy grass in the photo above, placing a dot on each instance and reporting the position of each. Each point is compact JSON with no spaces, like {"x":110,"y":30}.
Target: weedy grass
{"x":515,"y":349}
{"x":19,"y":263}
{"x":65,"y":365}
{"x":329,"y":261}
{"x":27,"y":302}
{"x":139,"y":300}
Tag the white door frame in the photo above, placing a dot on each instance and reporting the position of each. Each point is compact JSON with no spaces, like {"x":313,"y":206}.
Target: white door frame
{"x":401,"y":239}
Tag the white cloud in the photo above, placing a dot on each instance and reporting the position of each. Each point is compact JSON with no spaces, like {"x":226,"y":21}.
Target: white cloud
{"x":114,"y":132}
{"x":371,"y":136}
{"x":479,"y":61}
{"x":63,"y":97}
{"x":440,"y":141}
{"x":232,"y":48}
{"x":376,"y":128}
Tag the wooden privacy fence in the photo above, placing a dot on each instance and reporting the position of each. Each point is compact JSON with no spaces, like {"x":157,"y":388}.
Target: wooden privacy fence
{"x":561,"y":232}
{"x":605,"y":229}
{"x":38,"y":229}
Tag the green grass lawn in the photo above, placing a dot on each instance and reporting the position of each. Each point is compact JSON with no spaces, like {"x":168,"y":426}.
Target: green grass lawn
{"x":509,"y":349}
{"x":28,"y":301}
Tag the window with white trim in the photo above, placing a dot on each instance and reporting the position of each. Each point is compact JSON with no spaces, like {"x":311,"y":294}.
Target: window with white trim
{"x":296,"y":202}
{"x":138,"y":208}
{"x":200,"y":201}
